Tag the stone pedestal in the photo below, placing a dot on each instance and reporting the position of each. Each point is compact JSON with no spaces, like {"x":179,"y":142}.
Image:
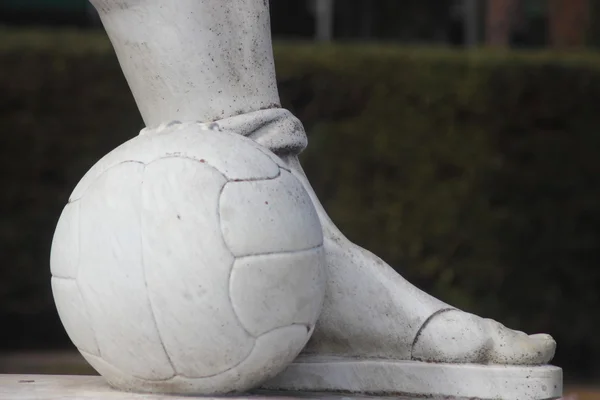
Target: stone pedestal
{"x":417,"y":379}
{"x":81,"y":387}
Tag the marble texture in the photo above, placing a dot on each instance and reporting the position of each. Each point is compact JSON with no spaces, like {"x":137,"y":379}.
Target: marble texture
{"x":163,"y":45}
{"x":211,"y":61}
{"x":81,"y":387}
{"x":178,"y":269}
{"x":414,"y":378}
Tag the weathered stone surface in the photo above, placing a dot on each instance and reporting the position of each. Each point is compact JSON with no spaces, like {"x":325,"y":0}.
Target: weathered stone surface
{"x":79,"y":387}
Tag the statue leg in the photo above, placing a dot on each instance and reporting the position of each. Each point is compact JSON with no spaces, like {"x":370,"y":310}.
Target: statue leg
{"x":211,"y":60}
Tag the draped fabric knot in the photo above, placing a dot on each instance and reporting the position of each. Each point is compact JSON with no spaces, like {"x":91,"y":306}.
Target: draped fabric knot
{"x":275,"y":128}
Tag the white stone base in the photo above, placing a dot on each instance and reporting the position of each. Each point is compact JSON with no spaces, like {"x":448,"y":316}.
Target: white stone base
{"x":81,"y":387}
{"x":420,"y":379}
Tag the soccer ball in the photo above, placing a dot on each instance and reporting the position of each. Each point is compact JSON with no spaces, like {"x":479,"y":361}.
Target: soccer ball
{"x":190,"y":261}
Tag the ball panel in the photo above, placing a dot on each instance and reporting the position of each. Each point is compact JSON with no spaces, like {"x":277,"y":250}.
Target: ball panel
{"x":73,"y":314}
{"x":271,"y":354}
{"x":233,"y":155}
{"x":270,"y":291}
{"x":111,"y":275}
{"x":64,"y":254}
{"x":274,"y":157}
{"x":188,"y":266}
{"x":257,"y":216}
{"x":125,"y":153}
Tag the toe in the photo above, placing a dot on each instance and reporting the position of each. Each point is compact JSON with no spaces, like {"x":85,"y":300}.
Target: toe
{"x":516,"y":348}
{"x":547,"y":346}
{"x":542,"y":336}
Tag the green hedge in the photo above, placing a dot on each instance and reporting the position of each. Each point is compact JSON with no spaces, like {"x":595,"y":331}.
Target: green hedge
{"x":476,"y":174}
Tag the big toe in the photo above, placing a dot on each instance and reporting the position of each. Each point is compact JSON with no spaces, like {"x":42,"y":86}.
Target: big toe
{"x":542,"y":336}
{"x":516,"y":348}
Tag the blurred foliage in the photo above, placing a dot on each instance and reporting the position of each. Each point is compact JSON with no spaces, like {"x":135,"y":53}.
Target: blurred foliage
{"x":476,"y":174}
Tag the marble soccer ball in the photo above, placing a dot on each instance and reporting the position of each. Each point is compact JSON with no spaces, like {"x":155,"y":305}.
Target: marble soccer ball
{"x":188,"y":261}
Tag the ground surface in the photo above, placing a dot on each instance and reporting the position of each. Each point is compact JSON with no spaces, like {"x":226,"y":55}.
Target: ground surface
{"x":71,"y":363}
{"x":80,"y":387}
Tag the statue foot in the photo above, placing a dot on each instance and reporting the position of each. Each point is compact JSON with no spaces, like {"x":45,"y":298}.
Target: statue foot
{"x":370,"y":311}
{"x":376,"y":329}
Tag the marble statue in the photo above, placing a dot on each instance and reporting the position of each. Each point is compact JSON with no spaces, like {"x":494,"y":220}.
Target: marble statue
{"x":211,"y":61}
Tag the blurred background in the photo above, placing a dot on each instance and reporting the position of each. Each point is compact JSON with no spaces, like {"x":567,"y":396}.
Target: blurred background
{"x":457,"y":139}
